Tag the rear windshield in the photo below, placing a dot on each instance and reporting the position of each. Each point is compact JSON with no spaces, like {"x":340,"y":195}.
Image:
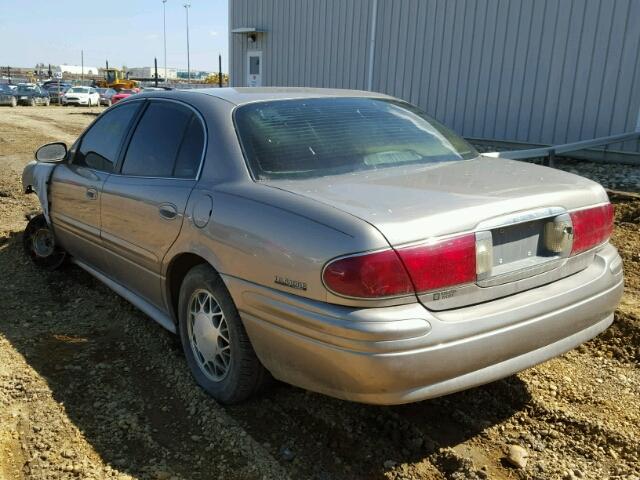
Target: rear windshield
{"x":328,"y":136}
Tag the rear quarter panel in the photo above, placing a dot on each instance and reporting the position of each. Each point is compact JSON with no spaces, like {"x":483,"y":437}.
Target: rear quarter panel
{"x":256,"y":235}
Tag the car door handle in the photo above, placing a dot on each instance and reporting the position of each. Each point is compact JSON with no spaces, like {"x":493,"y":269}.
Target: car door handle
{"x":92,"y":193}
{"x":168,"y":211}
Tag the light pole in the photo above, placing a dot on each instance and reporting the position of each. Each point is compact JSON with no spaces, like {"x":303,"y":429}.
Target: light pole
{"x":164,"y":28}
{"x":186,"y":8}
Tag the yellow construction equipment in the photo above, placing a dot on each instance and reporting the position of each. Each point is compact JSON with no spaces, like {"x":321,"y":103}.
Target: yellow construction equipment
{"x":116,"y":79}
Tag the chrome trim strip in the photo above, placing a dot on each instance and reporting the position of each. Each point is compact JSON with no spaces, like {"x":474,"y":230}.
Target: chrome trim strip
{"x":520,"y":217}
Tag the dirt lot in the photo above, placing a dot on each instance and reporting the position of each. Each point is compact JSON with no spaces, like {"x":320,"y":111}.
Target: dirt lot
{"x":91,"y":388}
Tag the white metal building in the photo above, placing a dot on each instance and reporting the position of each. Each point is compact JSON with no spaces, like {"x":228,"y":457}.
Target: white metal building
{"x":149,"y":72}
{"x":538,"y":72}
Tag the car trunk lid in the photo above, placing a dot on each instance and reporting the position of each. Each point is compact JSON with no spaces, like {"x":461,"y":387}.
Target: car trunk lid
{"x":509,"y":202}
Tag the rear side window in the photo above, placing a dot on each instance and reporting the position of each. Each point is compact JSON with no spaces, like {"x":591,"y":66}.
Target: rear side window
{"x":168,"y":142}
{"x":190,"y":152}
{"x":100,"y":145}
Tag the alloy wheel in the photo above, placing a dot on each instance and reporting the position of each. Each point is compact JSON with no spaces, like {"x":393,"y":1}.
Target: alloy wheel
{"x":209,"y":335}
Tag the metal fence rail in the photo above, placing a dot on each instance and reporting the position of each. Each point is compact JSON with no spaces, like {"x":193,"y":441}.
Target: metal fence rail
{"x":554,"y":150}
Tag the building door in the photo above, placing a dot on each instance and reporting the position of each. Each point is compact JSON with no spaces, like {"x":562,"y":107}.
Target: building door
{"x":254,"y":68}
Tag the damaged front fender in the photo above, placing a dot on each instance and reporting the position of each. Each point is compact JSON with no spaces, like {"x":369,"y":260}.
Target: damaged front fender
{"x":35,"y":178}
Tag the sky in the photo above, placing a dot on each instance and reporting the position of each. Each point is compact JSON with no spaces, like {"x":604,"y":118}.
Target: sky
{"x":125,"y":33}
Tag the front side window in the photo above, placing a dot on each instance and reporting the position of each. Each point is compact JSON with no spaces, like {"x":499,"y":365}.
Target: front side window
{"x":329,"y":136}
{"x":100,"y":145}
{"x":168,"y":142}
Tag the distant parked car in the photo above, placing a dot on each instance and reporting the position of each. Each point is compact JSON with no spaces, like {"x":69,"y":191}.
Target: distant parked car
{"x":105,"y":95}
{"x":7,"y":95}
{"x":81,"y":96}
{"x":122,"y":94}
{"x":56,"y":90}
{"x":54,"y":83}
{"x":32,"y":94}
{"x":155,"y":89}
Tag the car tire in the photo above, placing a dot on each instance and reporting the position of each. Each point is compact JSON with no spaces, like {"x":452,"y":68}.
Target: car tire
{"x":14,"y":102}
{"x":223,"y":363}
{"x":39,"y":244}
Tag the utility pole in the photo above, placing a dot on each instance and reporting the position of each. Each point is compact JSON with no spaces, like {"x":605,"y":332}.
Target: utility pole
{"x":155,"y":67}
{"x":164,"y":28}
{"x":9,"y":74}
{"x":219,"y":71}
{"x":187,"y":6}
{"x":82,"y":66}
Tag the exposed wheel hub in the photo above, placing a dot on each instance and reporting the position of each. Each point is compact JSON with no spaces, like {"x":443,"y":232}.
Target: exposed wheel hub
{"x":43,"y":242}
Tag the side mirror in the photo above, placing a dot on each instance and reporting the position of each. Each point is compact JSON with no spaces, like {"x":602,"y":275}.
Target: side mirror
{"x":51,"y":152}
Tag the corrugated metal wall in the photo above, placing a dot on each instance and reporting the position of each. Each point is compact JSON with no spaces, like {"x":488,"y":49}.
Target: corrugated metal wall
{"x":533,"y":71}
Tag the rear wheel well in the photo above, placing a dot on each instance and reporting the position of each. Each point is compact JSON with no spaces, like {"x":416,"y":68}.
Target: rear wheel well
{"x":178,"y":269}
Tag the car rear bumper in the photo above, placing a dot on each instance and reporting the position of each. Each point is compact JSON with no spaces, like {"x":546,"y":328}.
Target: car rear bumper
{"x":407,"y":353}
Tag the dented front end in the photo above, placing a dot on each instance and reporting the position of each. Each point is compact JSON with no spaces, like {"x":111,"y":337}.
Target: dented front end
{"x":35,"y":179}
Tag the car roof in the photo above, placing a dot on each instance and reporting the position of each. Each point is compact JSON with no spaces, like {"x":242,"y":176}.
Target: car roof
{"x":243,"y":95}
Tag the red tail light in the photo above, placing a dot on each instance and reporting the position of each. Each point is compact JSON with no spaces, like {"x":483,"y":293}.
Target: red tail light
{"x":591,"y":227}
{"x":378,"y":274}
{"x":412,"y":269}
{"x":448,"y":262}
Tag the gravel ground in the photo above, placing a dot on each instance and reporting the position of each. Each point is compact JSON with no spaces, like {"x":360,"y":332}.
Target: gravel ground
{"x":91,"y":388}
